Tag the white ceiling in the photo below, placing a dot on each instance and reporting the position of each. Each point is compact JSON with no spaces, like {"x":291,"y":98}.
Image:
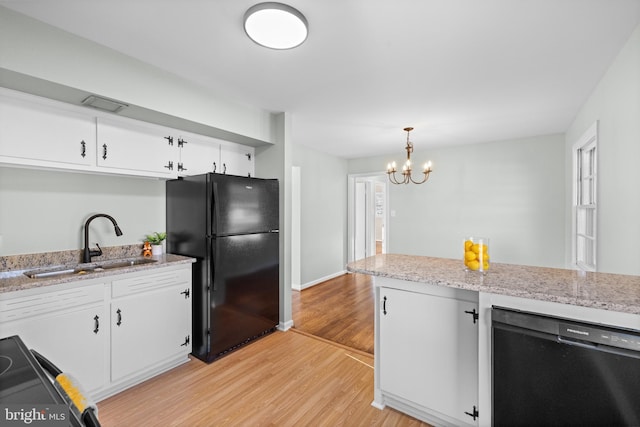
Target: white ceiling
{"x":458,"y":71}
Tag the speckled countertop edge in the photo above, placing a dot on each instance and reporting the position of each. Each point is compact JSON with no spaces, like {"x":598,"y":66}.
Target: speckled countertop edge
{"x":19,"y":263}
{"x":614,"y":292}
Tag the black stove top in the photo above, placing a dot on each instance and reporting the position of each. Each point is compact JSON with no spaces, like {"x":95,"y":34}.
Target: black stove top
{"x":22,"y":379}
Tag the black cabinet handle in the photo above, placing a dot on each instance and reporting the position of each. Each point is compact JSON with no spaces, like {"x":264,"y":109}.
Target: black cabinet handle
{"x":169,"y":139}
{"x":186,"y":341}
{"x":186,"y":293}
{"x":181,"y":167}
{"x":384,"y":306}
{"x":119,"y":322}
{"x":104,"y":151}
{"x":248,"y":156}
{"x":169,"y":165}
{"x":475,"y":414}
{"x":224,"y":168}
{"x":181,"y":142}
{"x":214,"y":167}
{"x":83,"y":153}
{"x":474,"y":314}
{"x":96,"y":324}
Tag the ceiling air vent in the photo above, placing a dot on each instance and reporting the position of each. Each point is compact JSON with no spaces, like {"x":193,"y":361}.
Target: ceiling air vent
{"x":104,"y":104}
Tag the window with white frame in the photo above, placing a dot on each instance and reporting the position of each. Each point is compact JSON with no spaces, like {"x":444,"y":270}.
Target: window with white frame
{"x":585,"y":202}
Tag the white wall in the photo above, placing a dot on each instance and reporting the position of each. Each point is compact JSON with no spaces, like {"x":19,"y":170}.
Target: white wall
{"x":509,"y":191}
{"x":44,"y":211}
{"x":39,"y":50}
{"x":323,"y":213}
{"x":615,"y":103}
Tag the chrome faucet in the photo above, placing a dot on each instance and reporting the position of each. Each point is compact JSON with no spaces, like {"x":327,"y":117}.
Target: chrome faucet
{"x":88,"y":253}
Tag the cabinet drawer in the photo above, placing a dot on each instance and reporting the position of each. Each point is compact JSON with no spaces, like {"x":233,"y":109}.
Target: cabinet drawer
{"x":149,"y":281}
{"x":46,"y":302}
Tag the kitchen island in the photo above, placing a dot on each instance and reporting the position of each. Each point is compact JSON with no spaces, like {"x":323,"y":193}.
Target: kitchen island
{"x":433,"y":326}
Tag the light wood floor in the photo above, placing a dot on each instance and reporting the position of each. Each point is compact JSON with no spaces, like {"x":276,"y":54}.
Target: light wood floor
{"x":284,"y":379}
{"x":339,"y":310}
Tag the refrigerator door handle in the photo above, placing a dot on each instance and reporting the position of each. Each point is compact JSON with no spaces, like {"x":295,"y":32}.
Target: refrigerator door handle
{"x":216,"y":209}
{"x":214,"y":261}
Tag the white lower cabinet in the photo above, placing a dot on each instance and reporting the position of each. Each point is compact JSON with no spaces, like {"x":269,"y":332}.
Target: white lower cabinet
{"x":427,"y":353}
{"x":110,"y":333}
{"x":149,"y":322}
{"x":67,"y":326}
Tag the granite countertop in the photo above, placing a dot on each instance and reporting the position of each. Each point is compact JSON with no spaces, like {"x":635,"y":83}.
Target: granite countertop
{"x":12,"y":269}
{"x":614,"y":292}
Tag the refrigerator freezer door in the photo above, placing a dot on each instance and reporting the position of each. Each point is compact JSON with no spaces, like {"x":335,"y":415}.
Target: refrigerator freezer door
{"x":244,"y":295}
{"x":243,"y":205}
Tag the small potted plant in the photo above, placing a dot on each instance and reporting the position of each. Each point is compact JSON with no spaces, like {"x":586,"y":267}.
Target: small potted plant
{"x":156,"y":240}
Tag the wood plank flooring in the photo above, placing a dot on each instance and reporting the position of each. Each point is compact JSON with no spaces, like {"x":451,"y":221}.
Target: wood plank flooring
{"x":283,"y":379}
{"x":339,"y":310}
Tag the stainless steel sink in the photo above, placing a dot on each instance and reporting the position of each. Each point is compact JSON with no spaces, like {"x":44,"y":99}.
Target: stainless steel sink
{"x":121,"y":263}
{"x":56,"y":271}
{"x":82,"y":269}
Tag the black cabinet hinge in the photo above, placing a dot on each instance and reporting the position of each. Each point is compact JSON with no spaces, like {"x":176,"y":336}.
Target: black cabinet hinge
{"x":474,"y":314}
{"x":475,"y":413}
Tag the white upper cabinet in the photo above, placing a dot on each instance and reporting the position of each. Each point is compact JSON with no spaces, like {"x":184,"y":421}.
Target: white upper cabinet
{"x":44,"y":134}
{"x":198,"y":154}
{"x":236,"y":159}
{"x":41,"y":132}
{"x":136,"y":147}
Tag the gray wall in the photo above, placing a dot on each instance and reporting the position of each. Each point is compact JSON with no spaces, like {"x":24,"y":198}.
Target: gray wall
{"x":323,"y":213}
{"x":615,"y":104}
{"x":509,"y":191}
{"x":44,"y":211}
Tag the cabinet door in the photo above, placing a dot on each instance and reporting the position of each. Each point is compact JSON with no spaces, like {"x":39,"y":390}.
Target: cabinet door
{"x":198,"y":154}
{"x":41,"y":130}
{"x":149,"y":328}
{"x":68,"y":327}
{"x":428,"y":352}
{"x":133,"y":147}
{"x":237,"y":159}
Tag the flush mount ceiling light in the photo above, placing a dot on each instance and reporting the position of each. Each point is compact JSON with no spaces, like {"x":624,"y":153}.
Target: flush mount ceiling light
{"x":406,"y":168}
{"x":275,"y":25}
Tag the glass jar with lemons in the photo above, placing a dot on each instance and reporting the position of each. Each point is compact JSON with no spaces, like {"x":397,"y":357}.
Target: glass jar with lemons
{"x":476,"y":254}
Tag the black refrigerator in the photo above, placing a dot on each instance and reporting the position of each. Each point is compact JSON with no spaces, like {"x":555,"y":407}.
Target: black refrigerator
{"x":230,"y":225}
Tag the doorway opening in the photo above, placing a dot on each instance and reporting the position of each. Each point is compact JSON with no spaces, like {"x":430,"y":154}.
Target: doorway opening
{"x":368,"y":215}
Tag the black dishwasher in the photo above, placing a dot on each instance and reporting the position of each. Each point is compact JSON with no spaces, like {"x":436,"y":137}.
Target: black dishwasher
{"x":549,"y":371}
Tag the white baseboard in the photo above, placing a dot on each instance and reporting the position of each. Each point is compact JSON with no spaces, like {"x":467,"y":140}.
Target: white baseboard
{"x":285,"y":326}
{"x":298,"y":287}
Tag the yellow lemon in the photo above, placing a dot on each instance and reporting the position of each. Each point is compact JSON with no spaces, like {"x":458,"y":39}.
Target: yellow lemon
{"x":473,"y":265}
{"x":467,"y":245}
{"x":485,"y":248}
{"x":475,"y":248}
{"x":485,"y":266}
{"x":469,"y":256}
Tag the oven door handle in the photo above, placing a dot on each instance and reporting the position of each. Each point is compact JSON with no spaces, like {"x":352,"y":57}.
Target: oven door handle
{"x":46,"y":364}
